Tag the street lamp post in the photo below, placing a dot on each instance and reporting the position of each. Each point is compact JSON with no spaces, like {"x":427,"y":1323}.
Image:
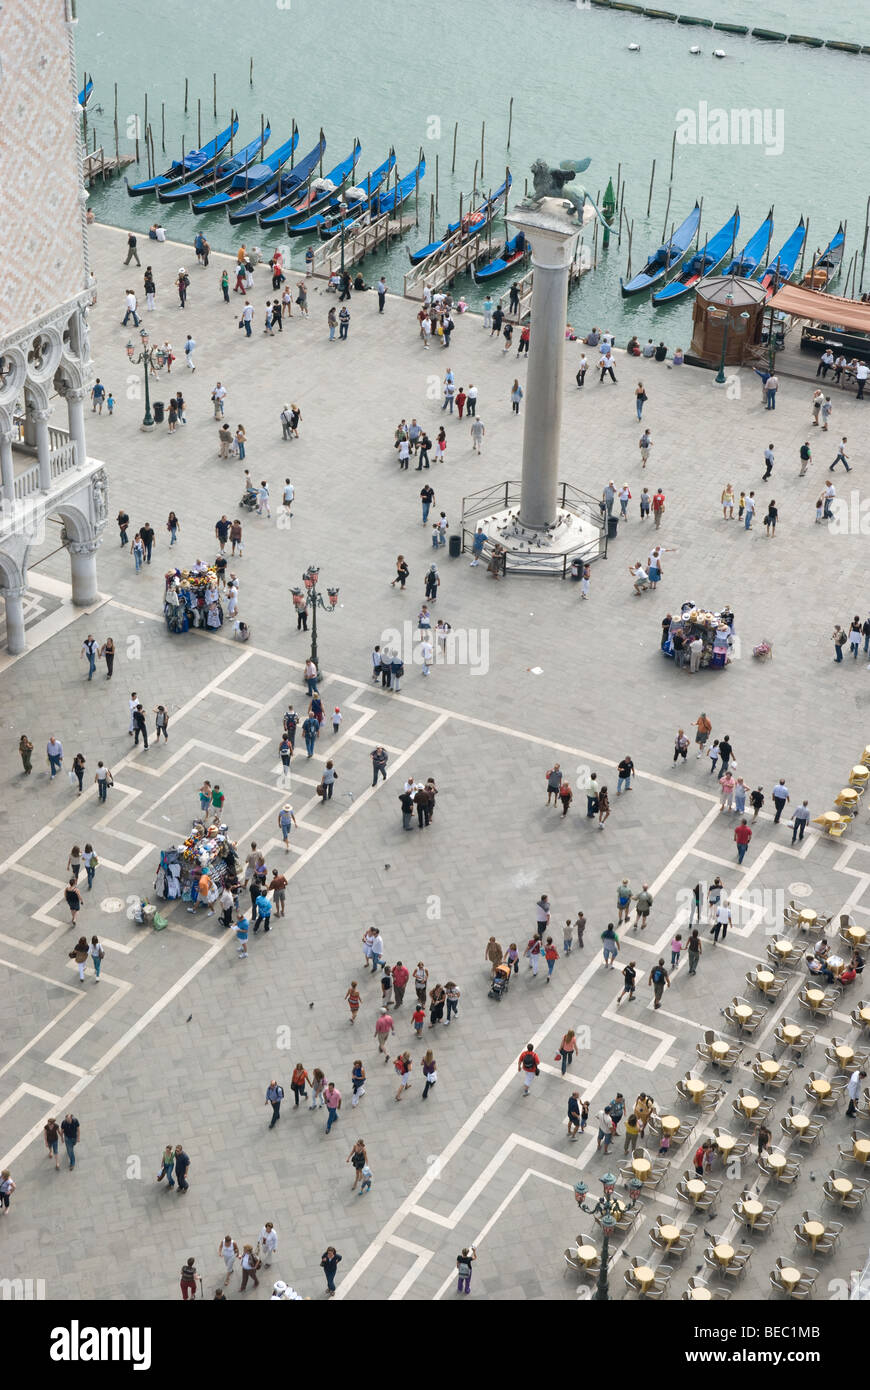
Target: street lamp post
{"x":606,"y":1209}
{"x":313,"y":599}
{"x":153,"y":358}
{"x":342,"y":209}
{"x":738,"y":328}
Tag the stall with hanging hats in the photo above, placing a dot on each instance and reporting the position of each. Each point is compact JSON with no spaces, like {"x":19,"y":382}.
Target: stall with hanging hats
{"x":192,"y":599}
{"x":715,"y":630}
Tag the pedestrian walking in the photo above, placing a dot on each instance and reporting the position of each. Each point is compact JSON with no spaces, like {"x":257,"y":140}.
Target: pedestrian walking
{"x":800,"y":818}
{"x":640,"y":400}
{"x":332,"y":1101}
{"x":623,"y":902}
{"x":529,"y":1066}
{"x":71,"y":1131}
{"x":229,"y":1253}
{"x":605,"y":1129}
{"x":358,"y":1081}
{"x":551,"y":955}
{"x":464,"y":1263}
{"x":25,"y":752}
{"x":188,"y":1279}
{"x":516,"y":396}
{"x":430,"y":1073}
{"x":73,"y":900}
{"x":384,"y":1029}
{"x":742,"y":836}
{"x":297,"y":1084}
{"x":329,"y":1262}
{"x":610,"y":944}
{"x":358,"y":1158}
{"x":403,"y":1065}
{"x":274,"y":1097}
{"x":660,"y":980}
{"x":567,"y":1048}
{"x":694,"y":950}
{"x":96,"y":953}
{"x":250,"y":1265}
{"x":629,"y":975}
{"x":781,"y":799}
{"x":853,"y":1090}
{"x":722,"y":922}
{"x":182,"y":1164}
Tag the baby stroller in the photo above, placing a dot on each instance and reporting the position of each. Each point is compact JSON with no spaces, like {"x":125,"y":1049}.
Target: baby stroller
{"x":249,"y":499}
{"x":500,"y":982}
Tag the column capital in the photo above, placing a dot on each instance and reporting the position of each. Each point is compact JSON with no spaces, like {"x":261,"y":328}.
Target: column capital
{"x":13,"y":591}
{"x":82,"y":547}
{"x":43,"y":415}
{"x":75,"y":393}
{"x":8,"y":436}
{"x":549,"y":230}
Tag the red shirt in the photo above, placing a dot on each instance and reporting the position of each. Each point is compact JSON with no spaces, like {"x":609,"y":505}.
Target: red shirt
{"x":551,"y":953}
{"x":658,"y":501}
{"x":529,"y":1061}
{"x":743,"y":834}
{"x":400,"y":976}
{"x":700,"y":1157}
{"x":419,"y":1015}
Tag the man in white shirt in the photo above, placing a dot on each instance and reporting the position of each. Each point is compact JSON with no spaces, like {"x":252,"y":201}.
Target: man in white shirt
{"x":862,"y":371}
{"x":247,"y":317}
{"x":829,"y":494}
{"x":426,"y":656}
{"x":649,"y":348}
{"x":218,"y":395}
{"x":263,"y":499}
{"x":285,"y":423}
{"x":842,"y":456}
{"x":853,"y":1090}
{"x":582,"y":370}
{"x":189,"y":349}
{"x":477,"y":432}
{"x":131,"y":309}
{"x":768,"y":462}
{"x":640,"y":577}
{"x":287,"y":496}
{"x":471,"y":401}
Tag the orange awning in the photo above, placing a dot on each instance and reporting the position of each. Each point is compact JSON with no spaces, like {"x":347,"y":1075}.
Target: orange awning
{"x":824,"y":308}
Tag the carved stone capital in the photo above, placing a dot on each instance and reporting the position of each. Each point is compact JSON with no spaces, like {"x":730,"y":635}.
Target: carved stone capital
{"x":82,"y":547}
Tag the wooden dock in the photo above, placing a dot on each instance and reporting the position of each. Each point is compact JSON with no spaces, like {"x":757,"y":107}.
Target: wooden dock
{"x":455,"y":254}
{"x":581,"y":263}
{"x":359,"y":242}
{"x":99,"y":165}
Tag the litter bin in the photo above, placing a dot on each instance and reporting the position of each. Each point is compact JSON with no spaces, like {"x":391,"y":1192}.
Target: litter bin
{"x":612,"y":527}
{"x":157,"y":412}
{"x":455,"y":546}
{"x":576,"y":569}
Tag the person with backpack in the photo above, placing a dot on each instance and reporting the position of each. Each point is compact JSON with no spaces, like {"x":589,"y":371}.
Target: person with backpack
{"x":611,"y":945}
{"x":533,"y":954}
{"x":659,"y":979}
{"x":554,"y":782}
{"x":629,"y":975}
{"x":529,"y":1064}
{"x":463,"y":1267}
{"x":566,"y":796}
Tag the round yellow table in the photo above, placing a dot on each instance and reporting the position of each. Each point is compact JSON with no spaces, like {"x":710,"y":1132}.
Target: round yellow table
{"x":700,"y":1294}
{"x":695,"y":1187}
{"x":864,"y":1015}
{"x":770,"y":1068}
{"x":859,"y":774}
{"x":587,"y":1254}
{"x":790,"y":1276}
{"x":815,"y":997}
{"x":865,"y":756}
{"x":799,"y":1122}
{"x":644,"y":1276}
{"x":857,"y":935}
{"x":725,"y":1143}
{"x":782,"y":947}
{"x":791,"y":1033}
{"x":743,"y":1011}
{"x":670,"y":1124}
{"x":669,"y":1234}
{"x":724,"y":1253}
{"x":619,"y":1208}
{"x":752,"y":1210}
{"x":830,"y":818}
{"x":806,"y":916}
{"x":848,"y":796}
{"x":764,"y":979}
{"x":776,"y":1161}
{"x":641,"y":1167}
{"x":844,"y":1053}
{"x":861,"y":1150}
{"x":696,"y":1089}
{"x":749,"y":1104}
{"x":842,"y":1185}
{"x":719,"y":1049}
{"x":815,"y":1230}
{"x":821,"y":1086}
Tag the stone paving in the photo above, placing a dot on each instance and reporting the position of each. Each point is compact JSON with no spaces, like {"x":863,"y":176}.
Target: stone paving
{"x":180,"y":1038}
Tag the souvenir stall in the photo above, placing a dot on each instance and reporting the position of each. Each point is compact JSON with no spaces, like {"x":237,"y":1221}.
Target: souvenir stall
{"x":192,"y":599}
{"x":209,"y":850}
{"x":716,"y":631}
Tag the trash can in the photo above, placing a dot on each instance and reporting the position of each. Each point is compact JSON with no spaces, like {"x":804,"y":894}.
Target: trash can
{"x":455,"y":546}
{"x":576,"y":569}
{"x":612,"y":527}
{"x":157,"y":412}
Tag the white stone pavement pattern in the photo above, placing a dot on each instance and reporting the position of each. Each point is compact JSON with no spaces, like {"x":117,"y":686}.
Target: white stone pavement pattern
{"x":179,"y":1040}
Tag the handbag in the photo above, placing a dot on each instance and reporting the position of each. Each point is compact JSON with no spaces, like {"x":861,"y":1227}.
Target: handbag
{"x":320,"y":789}
{"x":241,"y":323}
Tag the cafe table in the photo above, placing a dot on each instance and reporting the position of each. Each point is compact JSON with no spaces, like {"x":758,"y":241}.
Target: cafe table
{"x":848,"y":797}
{"x":836,"y":965}
{"x":699,"y":1294}
{"x":749,"y":1104}
{"x":821,"y":1086}
{"x":814,"y":1230}
{"x":799,"y":1122}
{"x":857,"y":935}
{"x":807,"y":917}
{"x":864,"y":1015}
{"x":770,"y":1068}
{"x":764,"y":979}
{"x":861,"y":1150}
{"x":815,"y":997}
{"x":752,"y":1210}
{"x":842,"y":1185}
{"x":641,"y":1167}
{"x":669,"y":1234}
{"x":790,"y":1276}
{"x":844,"y":1053}
{"x":743,"y":1012}
{"x":865,"y":756}
{"x":696,"y":1187}
{"x":724,"y":1253}
{"x":587,"y":1254}
{"x":696,"y":1089}
{"x":791,"y":1033}
{"x":782,"y":947}
{"x":776,"y":1161}
{"x":725,"y":1143}
{"x":670,"y":1124}
{"x":644,"y":1276}
{"x":719,"y":1048}
{"x":859,"y":773}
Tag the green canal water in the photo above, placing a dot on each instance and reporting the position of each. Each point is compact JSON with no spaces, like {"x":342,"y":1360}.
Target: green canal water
{"x":403,"y":73}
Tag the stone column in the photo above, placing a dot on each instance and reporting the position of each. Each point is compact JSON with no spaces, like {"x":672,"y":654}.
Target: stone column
{"x":552,"y":235}
{"x":83,"y":571}
{"x":43,"y":447}
{"x":75,"y":398}
{"x":7,"y":469}
{"x":13,"y":598}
